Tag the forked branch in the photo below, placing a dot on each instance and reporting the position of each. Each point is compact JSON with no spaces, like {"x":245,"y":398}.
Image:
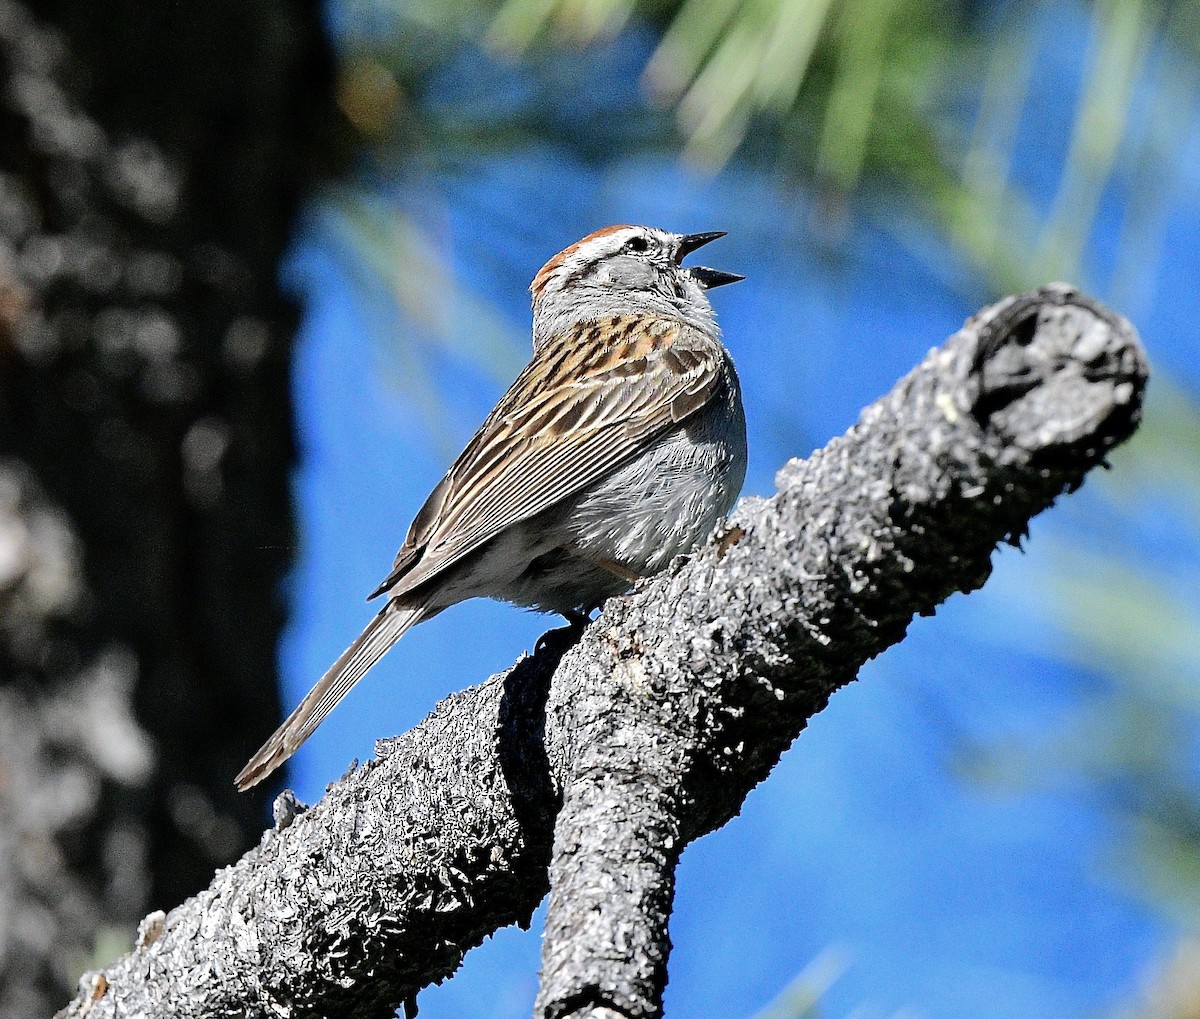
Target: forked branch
{"x":586,"y":771}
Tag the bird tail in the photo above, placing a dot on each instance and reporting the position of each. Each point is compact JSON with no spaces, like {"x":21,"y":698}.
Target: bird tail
{"x":381,"y":633}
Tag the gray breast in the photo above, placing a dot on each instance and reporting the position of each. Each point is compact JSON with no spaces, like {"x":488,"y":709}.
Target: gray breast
{"x":666,"y":501}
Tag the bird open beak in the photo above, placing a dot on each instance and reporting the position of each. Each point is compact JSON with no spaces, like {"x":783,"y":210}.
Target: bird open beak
{"x":690,"y":242}
{"x":702,"y":274}
{"x":709,"y":278}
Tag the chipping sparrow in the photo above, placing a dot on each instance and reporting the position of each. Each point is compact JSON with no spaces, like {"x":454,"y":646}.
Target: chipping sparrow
{"x":620,"y":446}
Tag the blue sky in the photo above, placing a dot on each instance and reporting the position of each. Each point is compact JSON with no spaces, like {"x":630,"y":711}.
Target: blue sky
{"x":935,"y":894}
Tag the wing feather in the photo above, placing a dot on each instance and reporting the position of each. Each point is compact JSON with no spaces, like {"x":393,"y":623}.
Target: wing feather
{"x":578,"y":410}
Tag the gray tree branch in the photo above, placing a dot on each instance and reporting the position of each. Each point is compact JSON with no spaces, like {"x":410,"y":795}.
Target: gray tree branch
{"x":585,"y":769}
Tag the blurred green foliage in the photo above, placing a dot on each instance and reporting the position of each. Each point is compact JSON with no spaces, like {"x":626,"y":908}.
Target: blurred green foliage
{"x":801,"y":999}
{"x":838,"y":94}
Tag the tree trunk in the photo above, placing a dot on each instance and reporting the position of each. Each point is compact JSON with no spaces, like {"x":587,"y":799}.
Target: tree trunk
{"x":152,"y":159}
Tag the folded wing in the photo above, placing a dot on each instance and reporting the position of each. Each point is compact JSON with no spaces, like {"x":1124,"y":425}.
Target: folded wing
{"x":590,"y":399}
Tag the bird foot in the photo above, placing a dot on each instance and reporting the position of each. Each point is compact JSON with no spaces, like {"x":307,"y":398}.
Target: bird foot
{"x":562,"y":637}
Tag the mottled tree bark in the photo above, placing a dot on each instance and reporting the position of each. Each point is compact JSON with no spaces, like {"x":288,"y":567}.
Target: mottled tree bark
{"x":152,"y":158}
{"x":585,"y":770}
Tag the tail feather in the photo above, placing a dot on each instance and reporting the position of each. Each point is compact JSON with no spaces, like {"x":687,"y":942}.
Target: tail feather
{"x":381,"y":633}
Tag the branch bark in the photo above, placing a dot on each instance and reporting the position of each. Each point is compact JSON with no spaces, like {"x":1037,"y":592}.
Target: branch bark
{"x":586,"y":769}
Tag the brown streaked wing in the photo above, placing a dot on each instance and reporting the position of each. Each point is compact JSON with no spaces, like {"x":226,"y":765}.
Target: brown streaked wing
{"x":576,"y":412}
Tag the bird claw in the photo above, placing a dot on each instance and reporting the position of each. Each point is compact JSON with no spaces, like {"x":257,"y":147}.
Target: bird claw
{"x":562,"y":637}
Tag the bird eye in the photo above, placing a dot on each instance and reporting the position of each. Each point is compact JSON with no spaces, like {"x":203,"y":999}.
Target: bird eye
{"x":637,"y":244}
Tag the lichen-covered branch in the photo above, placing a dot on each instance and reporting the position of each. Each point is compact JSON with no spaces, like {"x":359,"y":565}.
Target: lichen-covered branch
{"x":587,"y":771}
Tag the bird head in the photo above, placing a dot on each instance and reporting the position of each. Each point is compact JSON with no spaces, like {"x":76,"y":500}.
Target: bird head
{"x":626,"y":270}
